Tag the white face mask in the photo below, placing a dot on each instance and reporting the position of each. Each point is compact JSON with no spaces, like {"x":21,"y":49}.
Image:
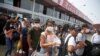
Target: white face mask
{"x":87,"y":30}
{"x":50,"y":29}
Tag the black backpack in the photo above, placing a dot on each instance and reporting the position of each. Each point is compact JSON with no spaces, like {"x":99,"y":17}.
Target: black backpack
{"x":88,"y":48}
{"x":64,"y":50}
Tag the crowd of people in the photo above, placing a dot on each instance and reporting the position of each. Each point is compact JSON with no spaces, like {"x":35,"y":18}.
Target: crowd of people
{"x":48,"y":39}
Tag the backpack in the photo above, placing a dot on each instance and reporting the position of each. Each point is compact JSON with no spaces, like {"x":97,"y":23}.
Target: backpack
{"x":88,"y":48}
{"x":64,"y":50}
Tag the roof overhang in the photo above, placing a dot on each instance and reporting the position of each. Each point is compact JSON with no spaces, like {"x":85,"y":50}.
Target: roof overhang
{"x":69,"y":8}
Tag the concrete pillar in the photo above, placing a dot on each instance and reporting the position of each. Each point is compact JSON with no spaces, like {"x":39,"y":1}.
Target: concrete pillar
{"x":34,"y":1}
{"x":54,"y":12}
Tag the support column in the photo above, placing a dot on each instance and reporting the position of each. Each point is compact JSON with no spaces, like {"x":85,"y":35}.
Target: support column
{"x":54,"y":12}
{"x":34,"y":1}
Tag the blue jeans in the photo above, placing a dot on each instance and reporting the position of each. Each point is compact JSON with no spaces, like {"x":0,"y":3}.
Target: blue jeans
{"x":9,"y":46}
{"x":42,"y":51}
{"x":51,"y":51}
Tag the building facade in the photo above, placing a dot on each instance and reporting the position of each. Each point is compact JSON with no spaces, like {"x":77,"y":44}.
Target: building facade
{"x":97,"y":26}
{"x":61,"y":11}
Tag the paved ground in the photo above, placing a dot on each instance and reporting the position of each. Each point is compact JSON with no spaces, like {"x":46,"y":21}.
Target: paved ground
{"x":3,"y":48}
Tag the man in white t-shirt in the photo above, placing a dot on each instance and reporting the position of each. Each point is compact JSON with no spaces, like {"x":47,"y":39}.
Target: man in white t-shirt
{"x":67,"y":37}
{"x":72,"y":46}
{"x":81,"y":38}
{"x":96,"y":38}
{"x":68,"y":34}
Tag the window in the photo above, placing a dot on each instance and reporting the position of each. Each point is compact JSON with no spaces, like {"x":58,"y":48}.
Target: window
{"x":60,"y":15}
{"x":72,"y":19}
{"x":75,"y":20}
{"x":56,"y":14}
{"x":41,"y":8}
{"x":17,"y":3}
{"x":27,"y":4}
{"x":45,"y":10}
{"x":38,"y":8}
{"x":69,"y":18}
{"x":7,"y":1}
{"x":64,"y":16}
{"x":50,"y":11}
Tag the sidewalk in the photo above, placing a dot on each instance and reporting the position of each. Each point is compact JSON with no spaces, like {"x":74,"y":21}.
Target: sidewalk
{"x":3,"y":50}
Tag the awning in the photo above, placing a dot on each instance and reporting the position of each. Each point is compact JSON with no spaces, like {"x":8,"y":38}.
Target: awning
{"x":70,"y":8}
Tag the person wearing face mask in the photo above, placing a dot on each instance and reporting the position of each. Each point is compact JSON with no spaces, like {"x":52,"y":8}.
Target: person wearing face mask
{"x":49,"y":23}
{"x":81,"y":40}
{"x":95,"y":40}
{"x":9,"y":29}
{"x":96,"y":37}
{"x":49,"y":41}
